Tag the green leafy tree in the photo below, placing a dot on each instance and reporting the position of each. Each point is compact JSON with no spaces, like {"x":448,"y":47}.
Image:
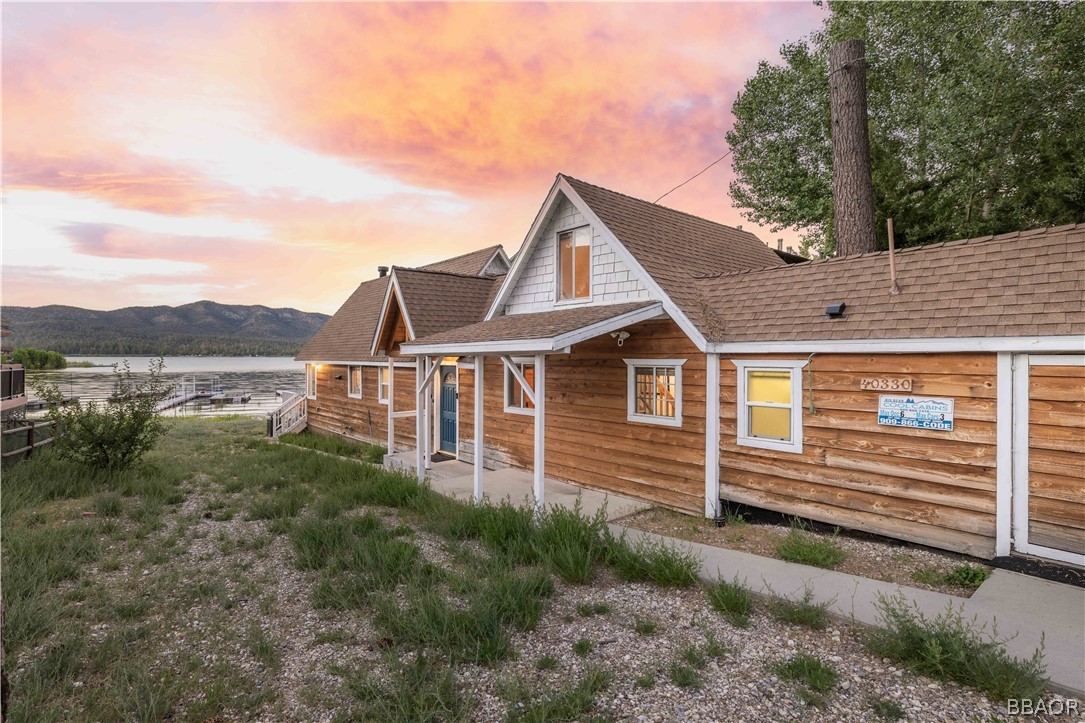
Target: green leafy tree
{"x":977,"y":121}
{"x":39,"y":359}
{"x":116,"y":433}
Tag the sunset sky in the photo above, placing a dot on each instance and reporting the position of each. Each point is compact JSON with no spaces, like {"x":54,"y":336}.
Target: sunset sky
{"x":277,"y":153}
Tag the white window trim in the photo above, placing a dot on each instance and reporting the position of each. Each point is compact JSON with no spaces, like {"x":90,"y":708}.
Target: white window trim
{"x":743,"y":436}
{"x":381,"y":386}
{"x":558,"y":301}
{"x":505,"y":393}
{"x":631,"y":392}
{"x":310,"y":380}
{"x":358,"y":394}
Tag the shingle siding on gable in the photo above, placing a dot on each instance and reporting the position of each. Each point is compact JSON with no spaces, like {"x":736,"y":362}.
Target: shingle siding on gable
{"x":612,"y":281}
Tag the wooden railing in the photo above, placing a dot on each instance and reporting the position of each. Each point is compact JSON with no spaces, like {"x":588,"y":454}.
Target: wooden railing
{"x":291,"y":416}
{"x":28,"y":436}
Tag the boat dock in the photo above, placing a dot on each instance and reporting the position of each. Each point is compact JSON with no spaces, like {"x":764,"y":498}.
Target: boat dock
{"x":188,"y":390}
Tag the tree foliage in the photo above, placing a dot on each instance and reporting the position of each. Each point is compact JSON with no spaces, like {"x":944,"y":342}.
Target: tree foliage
{"x":977,"y":121}
{"x":116,"y":433}
{"x":39,"y":359}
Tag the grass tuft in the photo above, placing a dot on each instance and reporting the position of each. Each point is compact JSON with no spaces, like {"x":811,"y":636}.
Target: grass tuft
{"x":684,"y":676}
{"x":109,"y":505}
{"x":965,"y":575}
{"x":588,"y":609}
{"x":804,"y":547}
{"x":656,"y":561}
{"x":948,"y":647}
{"x":583,"y":647}
{"x":803,"y":611}
{"x":372,"y":453}
{"x":546,"y":662}
{"x":887,"y":710}
{"x":644,"y":626}
{"x":815,"y":677}
{"x":569,"y":703}
{"x":733,"y":600}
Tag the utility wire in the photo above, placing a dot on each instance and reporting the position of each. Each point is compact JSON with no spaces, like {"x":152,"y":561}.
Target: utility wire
{"x":693,"y":176}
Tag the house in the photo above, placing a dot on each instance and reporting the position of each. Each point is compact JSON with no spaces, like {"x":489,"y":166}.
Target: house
{"x":12,"y":381}
{"x":637,"y":349}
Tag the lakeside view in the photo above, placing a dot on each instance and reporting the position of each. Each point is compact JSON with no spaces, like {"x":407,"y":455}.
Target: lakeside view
{"x":259,"y":377}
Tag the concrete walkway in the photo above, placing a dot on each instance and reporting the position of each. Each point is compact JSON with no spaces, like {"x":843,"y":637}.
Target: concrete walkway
{"x":1028,"y":609}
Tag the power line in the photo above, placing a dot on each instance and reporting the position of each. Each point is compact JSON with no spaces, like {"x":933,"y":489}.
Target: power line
{"x":693,"y":176}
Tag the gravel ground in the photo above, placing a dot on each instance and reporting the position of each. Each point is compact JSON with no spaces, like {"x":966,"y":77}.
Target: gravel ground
{"x":889,"y":561}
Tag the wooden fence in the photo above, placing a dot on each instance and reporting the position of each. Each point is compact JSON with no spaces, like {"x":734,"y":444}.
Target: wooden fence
{"x":23,"y":436}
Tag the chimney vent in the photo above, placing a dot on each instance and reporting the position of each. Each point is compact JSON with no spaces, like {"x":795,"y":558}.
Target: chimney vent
{"x":382,"y":271}
{"x":779,"y":244}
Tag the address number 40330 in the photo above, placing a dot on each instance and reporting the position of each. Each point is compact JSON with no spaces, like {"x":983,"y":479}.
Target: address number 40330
{"x":886,"y":384}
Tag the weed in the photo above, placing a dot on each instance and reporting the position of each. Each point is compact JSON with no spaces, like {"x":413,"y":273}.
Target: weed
{"x":803,"y":611}
{"x":645,"y":680}
{"x":693,"y":657}
{"x":588,"y":609}
{"x":964,"y":575}
{"x":684,"y":676}
{"x":569,"y":703}
{"x":423,"y":689}
{"x":546,"y":662}
{"x":109,"y":505}
{"x":803,"y":547}
{"x":887,"y":710}
{"x":280,"y":505}
{"x":570,"y":543}
{"x":644,"y":626}
{"x":331,"y":637}
{"x":713,"y":648}
{"x":263,"y":648}
{"x":733,"y":599}
{"x":132,"y":610}
{"x":815,"y":677}
{"x":655,"y":561}
{"x":583,"y":647}
{"x":372,"y":453}
{"x":948,"y":647}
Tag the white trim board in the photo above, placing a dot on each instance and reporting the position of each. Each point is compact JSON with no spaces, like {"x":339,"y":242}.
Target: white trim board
{"x":631,"y":414}
{"x":393,"y":282}
{"x":742,"y":436}
{"x":543,"y":345}
{"x":361,"y":363}
{"x":906,"y":346}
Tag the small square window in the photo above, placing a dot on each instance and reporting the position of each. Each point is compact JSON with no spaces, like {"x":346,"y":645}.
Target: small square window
{"x":655,"y":391}
{"x":354,"y":382}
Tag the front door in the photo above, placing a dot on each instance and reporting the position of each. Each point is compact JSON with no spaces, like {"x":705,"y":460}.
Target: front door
{"x":1049,"y":456}
{"x":448,"y":409}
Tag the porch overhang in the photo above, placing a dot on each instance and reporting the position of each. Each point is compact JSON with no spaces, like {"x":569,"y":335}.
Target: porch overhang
{"x":537,"y":333}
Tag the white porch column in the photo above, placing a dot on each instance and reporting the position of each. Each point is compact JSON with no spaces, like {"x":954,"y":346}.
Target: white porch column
{"x":391,"y":406}
{"x":419,"y":418}
{"x":480,"y":362}
{"x":427,"y":397}
{"x":540,"y":431}
{"x":712,"y":436}
{"x":1004,"y":421}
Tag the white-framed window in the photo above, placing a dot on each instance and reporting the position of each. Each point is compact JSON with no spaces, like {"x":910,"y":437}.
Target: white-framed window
{"x":383,"y":384}
{"x":516,"y":400}
{"x":574,"y":264}
{"x":770,"y":404}
{"x":310,"y":380}
{"x":354,"y":382}
{"x":654,"y":391}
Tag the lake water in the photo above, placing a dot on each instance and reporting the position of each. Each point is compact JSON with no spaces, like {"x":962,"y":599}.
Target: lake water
{"x":260,"y":377}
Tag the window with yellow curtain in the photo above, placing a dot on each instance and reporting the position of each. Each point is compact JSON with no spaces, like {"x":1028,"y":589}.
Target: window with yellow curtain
{"x":768,"y":403}
{"x":574,"y":264}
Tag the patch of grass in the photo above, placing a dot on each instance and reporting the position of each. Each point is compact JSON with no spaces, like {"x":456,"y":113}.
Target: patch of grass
{"x":569,"y":543}
{"x":803,"y":611}
{"x":569,"y":703}
{"x":331,"y":637}
{"x":589,"y":609}
{"x":815,"y":677}
{"x":283,"y":504}
{"x":131,"y":610}
{"x":263,"y":648}
{"x":713,"y":648}
{"x":684,"y":676}
{"x":948,"y":647}
{"x":887,"y":710}
{"x":583,"y":647}
{"x":423,"y":689}
{"x":109,"y":505}
{"x":693,"y":657}
{"x":655,"y":561}
{"x":804,"y":547}
{"x":965,"y":575}
{"x":546,"y":662}
{"x":372,"y":453}
{"x":644,"y":626}
{"x":645,"y":680}
{"x":733,"y":600}
{"x":317,"y":541}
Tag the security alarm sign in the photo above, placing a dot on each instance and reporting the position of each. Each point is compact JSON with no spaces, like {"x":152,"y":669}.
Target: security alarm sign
{"x":916,"y":412}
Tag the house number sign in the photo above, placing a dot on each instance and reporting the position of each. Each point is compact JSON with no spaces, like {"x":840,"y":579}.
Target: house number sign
{"x":886,"y":384}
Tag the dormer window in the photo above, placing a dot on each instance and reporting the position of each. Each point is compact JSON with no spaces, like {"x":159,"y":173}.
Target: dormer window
{"x":574,"y":264}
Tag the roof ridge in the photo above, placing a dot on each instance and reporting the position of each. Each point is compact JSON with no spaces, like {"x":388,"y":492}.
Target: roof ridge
{"x":492,"y":248}
{"x":659,"y":205}
{"x":443,"y":273}
{"x":977,"y":240}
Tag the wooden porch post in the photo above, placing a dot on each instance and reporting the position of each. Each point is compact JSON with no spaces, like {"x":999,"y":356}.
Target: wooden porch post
{"x":540,"y":431}
{"x":427,"y":399}
{"x":712,"y":437}
{"x":419,"y":419}
{"x":480,"y":362}
{"x":391,"y":406}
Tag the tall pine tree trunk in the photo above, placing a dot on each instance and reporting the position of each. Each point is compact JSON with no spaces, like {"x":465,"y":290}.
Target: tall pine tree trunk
{"x":853,"y":190}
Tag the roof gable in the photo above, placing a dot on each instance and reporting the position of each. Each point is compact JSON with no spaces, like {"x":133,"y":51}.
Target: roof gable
{"x":490,"y":261}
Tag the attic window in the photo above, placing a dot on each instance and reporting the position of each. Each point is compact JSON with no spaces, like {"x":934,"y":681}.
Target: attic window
{"x":574,"y":264}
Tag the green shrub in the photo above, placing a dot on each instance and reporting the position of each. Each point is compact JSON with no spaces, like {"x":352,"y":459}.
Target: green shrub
{"x":655,"y":561}
{"x":803,"y":547}
{"x":570,"y":543}
{"x":733,"y":599}
{"x":948,"y":647}
{"x":116,"y":433}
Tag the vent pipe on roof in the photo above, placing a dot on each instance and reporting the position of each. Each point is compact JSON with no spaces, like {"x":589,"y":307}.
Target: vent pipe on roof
{"x":382,"y":271}
{"x":894,"y":287}
{"x":779,"y":244}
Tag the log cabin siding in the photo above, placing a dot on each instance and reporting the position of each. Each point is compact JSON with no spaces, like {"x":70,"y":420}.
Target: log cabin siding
{"x":932,"y":487}
{"x":589,"y":441}
{"x":334,"y":412}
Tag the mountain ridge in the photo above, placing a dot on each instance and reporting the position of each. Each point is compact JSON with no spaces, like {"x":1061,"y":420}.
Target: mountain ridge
{"x":200,"y":327}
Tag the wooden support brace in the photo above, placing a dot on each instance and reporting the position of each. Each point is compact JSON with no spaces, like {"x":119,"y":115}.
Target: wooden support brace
{"x":511,"y":366}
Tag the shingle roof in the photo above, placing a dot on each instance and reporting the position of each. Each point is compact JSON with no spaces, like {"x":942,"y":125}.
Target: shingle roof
{"x":469,"y":264}
{"x":675,"y":247}
{"x":1028,"y":283}
{"x":538,"y":325}
{"x":437,"y":301}
{"x":348,"y":334}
